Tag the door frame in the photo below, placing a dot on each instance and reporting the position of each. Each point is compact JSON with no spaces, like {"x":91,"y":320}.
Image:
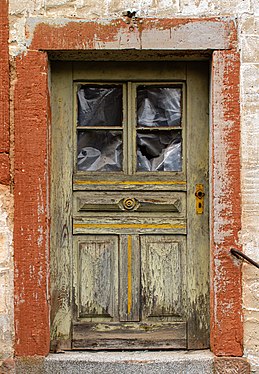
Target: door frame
{"x":31,"y":169}
{"x":193,"y":76}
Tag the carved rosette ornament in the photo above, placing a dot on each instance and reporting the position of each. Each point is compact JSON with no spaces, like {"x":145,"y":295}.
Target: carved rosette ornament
{"x":130,"y":203}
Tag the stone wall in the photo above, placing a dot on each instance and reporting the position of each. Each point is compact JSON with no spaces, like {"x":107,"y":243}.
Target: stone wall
{"x":250,"y":179}
{"x":6,"y":198}
{"x":6,"y":273}
{"x":24,"y":16}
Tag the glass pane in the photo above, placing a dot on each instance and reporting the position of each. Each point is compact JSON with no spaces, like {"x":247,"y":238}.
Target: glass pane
{"x":99,"y":105}
{"x":159,"y":151}
{"x":158,"y":106}
{"x":99,"y":150}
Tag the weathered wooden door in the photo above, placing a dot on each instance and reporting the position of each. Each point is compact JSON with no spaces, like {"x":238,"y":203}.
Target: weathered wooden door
{"x":129,"y":237}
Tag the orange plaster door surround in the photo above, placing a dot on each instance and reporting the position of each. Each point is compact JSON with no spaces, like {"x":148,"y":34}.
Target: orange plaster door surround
{"x":32,"y":169}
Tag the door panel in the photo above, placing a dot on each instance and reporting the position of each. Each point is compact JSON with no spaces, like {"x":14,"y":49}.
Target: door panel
{"x":163,"y":277}
{"x":97,"y":276}
{"x":108,"y":203}
{"x":140,"y":253}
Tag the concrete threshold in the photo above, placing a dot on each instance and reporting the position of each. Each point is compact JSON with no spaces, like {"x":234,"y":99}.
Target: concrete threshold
{"x":134,"y":362}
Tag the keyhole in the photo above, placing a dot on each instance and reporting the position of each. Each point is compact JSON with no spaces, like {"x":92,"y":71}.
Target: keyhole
{"x":199,"y":194}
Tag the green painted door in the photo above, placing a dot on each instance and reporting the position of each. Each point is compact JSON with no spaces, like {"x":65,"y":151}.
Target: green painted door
{"x":129,"y":205}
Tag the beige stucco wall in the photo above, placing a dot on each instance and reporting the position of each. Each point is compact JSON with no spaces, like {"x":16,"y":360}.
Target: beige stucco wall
{"x":24,"y":15}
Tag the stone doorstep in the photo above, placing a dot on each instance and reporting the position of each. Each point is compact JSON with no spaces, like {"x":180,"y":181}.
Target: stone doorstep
{"x":140,"y":362}
{"x":131,"y":362}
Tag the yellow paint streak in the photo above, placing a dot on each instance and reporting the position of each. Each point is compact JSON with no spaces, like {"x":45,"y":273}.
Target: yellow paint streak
{"x":129,"y":182}
{"x":128,"y":226}
{"x":129,"y":273}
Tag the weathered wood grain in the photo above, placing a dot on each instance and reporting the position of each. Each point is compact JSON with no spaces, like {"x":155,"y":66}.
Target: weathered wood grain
{"x":163,"y":276}
{"x":129,"y":278}
{"x":130,"y":336}
{"x":97,"y":224}
{"x":61,"y":205}
{"x":133,"y":71}
{"x":171,"y":202}
{"x":96,"y":276}
{"x":198,"y":224}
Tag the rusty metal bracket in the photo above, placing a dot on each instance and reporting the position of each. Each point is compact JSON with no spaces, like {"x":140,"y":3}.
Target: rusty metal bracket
{"x":242,"y":256}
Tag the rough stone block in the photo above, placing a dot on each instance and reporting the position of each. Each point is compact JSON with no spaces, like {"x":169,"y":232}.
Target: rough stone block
{"x":249,"y":24}
{"x":30,"y":365}
{"x":251,"y":293}
{"x":222,"y":7}
{"x":249,"y":79}
{"x":5,"y":336}
{"x":7,"y":366}
{"x":251,"y":319}
{"x":249,"y":49}
{"x":3,"y":291}
{"x":231,"y":365}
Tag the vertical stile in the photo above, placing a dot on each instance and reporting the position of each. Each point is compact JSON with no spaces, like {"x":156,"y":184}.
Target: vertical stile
{"x":130,"y":130}
{"x":125,"y":121}
{"x":129,"y":273}
{"x":129,"y":278}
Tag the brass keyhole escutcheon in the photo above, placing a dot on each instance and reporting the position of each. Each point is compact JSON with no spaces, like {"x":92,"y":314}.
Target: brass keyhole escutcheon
{"x":129,"y":203}
{"x":199,"y":198}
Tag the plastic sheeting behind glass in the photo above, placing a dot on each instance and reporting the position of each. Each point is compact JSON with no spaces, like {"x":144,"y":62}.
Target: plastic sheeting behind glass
{"x":99,"y":105}
{"x":160,"y":151}
{"x":99,"y":150}
{"x":158,"y":106}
